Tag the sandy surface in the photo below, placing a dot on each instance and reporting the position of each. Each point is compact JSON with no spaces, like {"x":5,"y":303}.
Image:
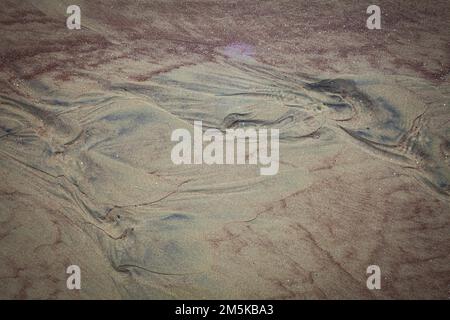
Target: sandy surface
{"x":85,"y":124}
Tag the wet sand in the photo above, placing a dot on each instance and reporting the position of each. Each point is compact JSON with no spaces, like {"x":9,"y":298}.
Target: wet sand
{"x":86,"y":118}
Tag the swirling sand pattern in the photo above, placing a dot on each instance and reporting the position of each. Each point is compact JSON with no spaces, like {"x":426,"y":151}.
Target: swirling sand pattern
{"x":88,"y":180}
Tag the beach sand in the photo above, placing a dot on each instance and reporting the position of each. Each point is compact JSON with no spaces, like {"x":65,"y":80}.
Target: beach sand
{"x":86,"y":118}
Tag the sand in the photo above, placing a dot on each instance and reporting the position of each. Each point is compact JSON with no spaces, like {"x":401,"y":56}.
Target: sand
{"x":85,"y":123}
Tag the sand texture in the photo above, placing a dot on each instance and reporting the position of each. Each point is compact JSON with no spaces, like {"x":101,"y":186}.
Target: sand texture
{"x":86,"y":118}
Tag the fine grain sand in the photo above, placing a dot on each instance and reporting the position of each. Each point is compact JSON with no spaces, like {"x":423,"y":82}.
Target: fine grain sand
{"x":87,"y":179}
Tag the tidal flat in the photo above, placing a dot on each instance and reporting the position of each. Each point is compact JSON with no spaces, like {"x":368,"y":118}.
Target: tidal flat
{"x":363,"y":179}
